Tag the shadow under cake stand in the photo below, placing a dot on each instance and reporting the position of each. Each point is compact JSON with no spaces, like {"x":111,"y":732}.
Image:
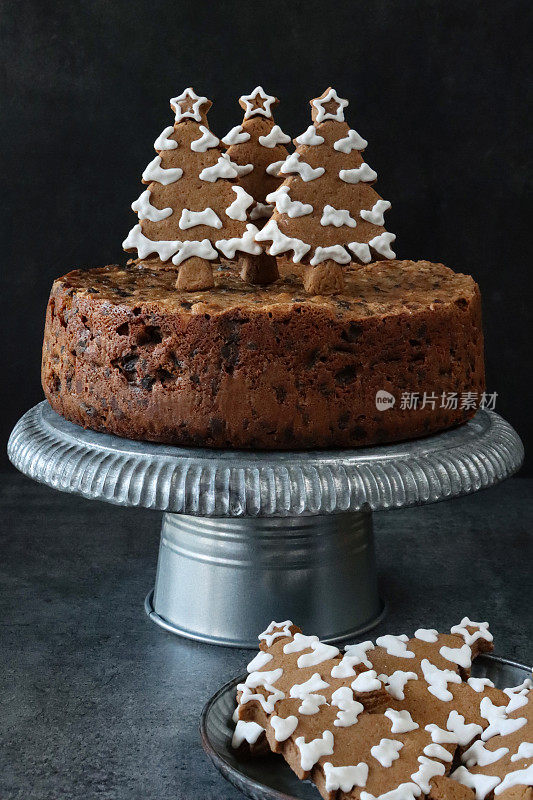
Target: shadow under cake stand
{"x":250,"y":537}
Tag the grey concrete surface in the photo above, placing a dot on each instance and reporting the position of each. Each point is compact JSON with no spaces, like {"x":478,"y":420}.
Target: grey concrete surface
{"x":97,"y":702}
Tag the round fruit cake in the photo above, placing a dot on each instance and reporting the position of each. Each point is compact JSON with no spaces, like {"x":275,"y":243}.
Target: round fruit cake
{"x":241,"y":366}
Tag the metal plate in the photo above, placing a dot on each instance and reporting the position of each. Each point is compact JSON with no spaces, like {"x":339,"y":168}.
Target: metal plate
{"x":235,"y":483}
{"x":269,"y":777}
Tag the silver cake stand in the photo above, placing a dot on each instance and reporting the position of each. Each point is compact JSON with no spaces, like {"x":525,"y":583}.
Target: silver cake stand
{"x":250,"y":537}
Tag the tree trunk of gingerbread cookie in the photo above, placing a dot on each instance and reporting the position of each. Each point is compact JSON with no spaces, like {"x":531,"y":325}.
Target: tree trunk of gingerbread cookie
{"x":258,"y":141}
{"x":193,"y":209}
{"x":327,"y":212}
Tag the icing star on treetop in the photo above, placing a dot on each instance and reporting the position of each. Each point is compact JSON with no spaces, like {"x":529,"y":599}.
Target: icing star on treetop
{"x":328,"y":106}
{"x":258,"y":102}
{"x":188,"y":104}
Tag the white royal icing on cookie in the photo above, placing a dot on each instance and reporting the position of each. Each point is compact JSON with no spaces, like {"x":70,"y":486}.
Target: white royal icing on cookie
{"x":405,"y":791}
{"x":349,"y":709}
{"x":292,"y":164}
{"x":478,"y":755}
{"x":521,"y":777}
{"x":320,"y":652}
{"x":245,"y":244}
{"x":364,"y":173}
{"x":351,"y":142}
{"x":426,"y":634}
{"x":275,"y":630}
{"x":274,"y":167}
{"x":395,"y":683}
{"x":163,"y":142}
{"x":307,"y":692}
{"x":206,"y":141}
{"x":264,"y":110}
{"x":310,"y":137}
{"x":322,"y":114}
{"x":437,"y":751}
{"x":282,"y":243}
{"x":360,"y":251}
{"x":246,"y":732}
{"x":190,"y":219}
{"x":438,"y":680}
{"x":482,"y":631}
{"x":203,"y":249}
{"x":259,"y":661}
{"x":518,"y":695}
{"x":499,"y":723}
{"x":366,"y":682}
{"x":237,"y":210}
{"x":300,"y":642}
{"x":224,"y":168}
{"x":145,"y":247}
{"x":402,"y":722}
{"x":276,"y":136}
{"x":525,"y":750}
{"x":481,"y":784}
{"x":345,"y":778}
{"x":284,"y":204}
{"x":427,"y":770}
{"x":354,"y":654}
{"x":264,"y":678}
{"x":337,"y":217}
{"x":311,"y":751}
{"x":387,"y":751}
{"x":194,"y":113}
{"x":458,"y":655}
{"x":479,"y":684}
{"x":146,"y":210}
{"x":395,"y":645}
{"x":375,"y":216}
{"x":283,"y":727}
{"x":235,"y":136}
{"x":155,"y":172}
{"x":382,"y":244}
{"x":457,"y":732}
{"x":334,"y":252}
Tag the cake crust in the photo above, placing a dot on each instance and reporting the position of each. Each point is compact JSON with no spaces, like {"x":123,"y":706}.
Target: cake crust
{"x":252,"y":367}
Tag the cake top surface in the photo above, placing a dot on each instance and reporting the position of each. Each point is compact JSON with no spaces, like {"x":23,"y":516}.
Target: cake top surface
{"x":382,"y":288}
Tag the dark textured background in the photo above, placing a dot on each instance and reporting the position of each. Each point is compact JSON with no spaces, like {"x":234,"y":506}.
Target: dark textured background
{"x":440,"y":90}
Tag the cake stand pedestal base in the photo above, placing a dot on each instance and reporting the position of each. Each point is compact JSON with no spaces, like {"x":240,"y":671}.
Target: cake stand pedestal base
{"x":251,"y":537}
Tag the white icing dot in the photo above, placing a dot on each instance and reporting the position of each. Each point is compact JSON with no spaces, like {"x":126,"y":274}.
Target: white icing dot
{"x":478,"y":684}
{"x":395,"y":683}
{"x":136,"y":240}
{"x":375,"y":216}
{"x":284,"y":204}
{"x":499,"y":723}
{"x":311,"y":751}
{"x":525,"y":750}
{"x":322,"y":114}
{"x":387,"y":751}
{"x":337,"y":217}
{"x":482,"y":631}
{"x":249,"y":100}
{"x":237,"y":210}
{"x":457,"y":732}
{"x":423,"y":634}
{"x":190,"y":219}
{"x":276,"y":136}
{"x":246,"y":732}
{"x":283,"y":727}
{"x":395,"y":645}
{"x":351,"y":142}
{"x":481,"y":784}
{"x":335,"y":252}
{"x":366,"y":682}
{"x":363,"y":173}
{"x":194,"y":112}
{"x":163,"y":142}
{"x":292,"y":164}
{"x":146,"y":210}
{"x":349,"y":709}
{"x":427,"y":770}
{"x":381,"y":244}
{"x":259,"y":661}
{"x":235,"y":136}
{"x":203,"y":249}
{"x":521,"y":777}
{"x":155,"y":172}
{"x":205,"y":142}
{"x":280,"y":242}
{"x":360,"y":251}
{"x":246,"y":243}
{"x":405,"y":791}
{"x":478,"y":755}
{"x":310,"y":137}
{"x":345,"y":778}
{"x":437,"y":751}
{"x":275,"y":630}
{"x":354,"y":654}
{"x":402,"y":722}
{"x":458,"y":655}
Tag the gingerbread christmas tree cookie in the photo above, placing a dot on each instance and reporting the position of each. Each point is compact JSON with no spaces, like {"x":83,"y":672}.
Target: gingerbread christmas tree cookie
{"x":259,"y":142}
{"x":193,"y":210}
{"x":327,"y":212}
{"x":389,"y":721}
